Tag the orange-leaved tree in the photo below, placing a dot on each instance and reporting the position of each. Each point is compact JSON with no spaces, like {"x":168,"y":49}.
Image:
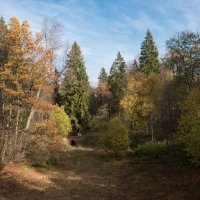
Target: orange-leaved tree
{"x":26,"y":78}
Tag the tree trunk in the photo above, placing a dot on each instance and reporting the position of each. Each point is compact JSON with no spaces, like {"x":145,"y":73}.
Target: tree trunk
{"x":9,"y":118}
{"x":152,"y":130}
{"x":3,"y":150}
{"x":33,"y":109}
{"x":17,"y":123}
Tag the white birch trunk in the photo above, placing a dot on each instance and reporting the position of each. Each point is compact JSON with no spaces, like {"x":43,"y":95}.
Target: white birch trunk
{"x":33,"y":109}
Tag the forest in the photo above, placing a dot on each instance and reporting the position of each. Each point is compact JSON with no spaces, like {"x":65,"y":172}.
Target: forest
{"x":137,"y":129}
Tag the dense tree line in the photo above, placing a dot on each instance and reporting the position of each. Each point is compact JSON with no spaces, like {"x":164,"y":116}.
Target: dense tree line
{"x":158,"y":99}
{"x":155,"y":99}
{"x":74,"y":89}
{"x":27,"y":75}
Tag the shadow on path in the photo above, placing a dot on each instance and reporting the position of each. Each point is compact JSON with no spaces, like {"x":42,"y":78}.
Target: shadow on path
{"x":85,"y":174}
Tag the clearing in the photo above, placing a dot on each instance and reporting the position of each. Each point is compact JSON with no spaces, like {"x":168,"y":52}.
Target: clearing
{"x":85,"y":174}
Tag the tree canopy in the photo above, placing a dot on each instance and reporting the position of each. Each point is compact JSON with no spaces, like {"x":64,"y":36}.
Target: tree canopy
{"x":75,"y":89}
{"x":149,"y":62}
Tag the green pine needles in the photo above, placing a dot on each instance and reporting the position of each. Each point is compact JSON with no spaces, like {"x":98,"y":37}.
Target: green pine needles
{"x":75,"y":90}
{"x":149,"y":62}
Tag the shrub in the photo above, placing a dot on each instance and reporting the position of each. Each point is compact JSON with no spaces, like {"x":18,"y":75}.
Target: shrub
{"x":189,"y":125}
{"x":61,"y":120}
{"x":47,"y":140}
{"x":152,"y":150}
{"x":115,"y":139}
{"x":192,"y":146}
{"x":43,"y":142}
{"x":166,"y":151}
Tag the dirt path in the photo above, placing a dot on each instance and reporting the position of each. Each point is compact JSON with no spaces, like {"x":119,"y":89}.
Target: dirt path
{"x":84,"y":174}
{"x":81,"y":174}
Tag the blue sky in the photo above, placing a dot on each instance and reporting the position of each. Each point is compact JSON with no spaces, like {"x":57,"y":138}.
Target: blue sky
{"x":104,"y":27}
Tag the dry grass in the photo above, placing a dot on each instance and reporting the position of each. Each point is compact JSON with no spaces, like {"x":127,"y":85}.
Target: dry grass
{"x":86,"y":174}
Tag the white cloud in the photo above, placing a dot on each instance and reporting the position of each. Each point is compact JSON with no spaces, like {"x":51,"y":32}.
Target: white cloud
{"x":101,"y":34}
{"x":143,"y":22}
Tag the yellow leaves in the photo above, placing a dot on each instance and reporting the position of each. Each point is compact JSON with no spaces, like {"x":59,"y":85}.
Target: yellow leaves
{"x":14,"y":19}
{"x":168,"y":75}
{"x":189,"y":125}
{"x":61,"y":120}
{"x":129,"y":101}
{"x":140,"y":97}
{"x":38,"y":38}
{"x":46,"y":127}
{"x":116,"y":138}
{"x":27,"y":76}
{"x":190,"y":112}
{"x":13,"y":92}
{"x":5,"y":73}
{"x":25,"y":24}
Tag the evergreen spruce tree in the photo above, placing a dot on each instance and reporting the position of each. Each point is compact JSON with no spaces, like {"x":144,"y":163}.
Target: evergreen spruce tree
{"x":75,"y":90}
{"x":103,"y":76}
{"x":149,"y":55}
{"x":135,"y":65}
{"x":117,"y":81}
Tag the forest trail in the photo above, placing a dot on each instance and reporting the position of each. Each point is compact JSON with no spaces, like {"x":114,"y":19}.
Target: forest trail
{"x":84,"y":173}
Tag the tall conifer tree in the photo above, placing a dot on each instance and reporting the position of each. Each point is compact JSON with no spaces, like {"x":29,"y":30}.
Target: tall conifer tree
{"x":75,"y":89}
{"x":103,"y":76}
{"x":149,"y":55}
{"x":117,"y":80}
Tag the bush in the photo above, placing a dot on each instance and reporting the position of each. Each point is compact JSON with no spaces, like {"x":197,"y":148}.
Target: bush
{"x":152,"y":150}
{"x":192,"y":146}
{"x":47,"y":140}
{"x":115,"y":139}
{"x":172,"y":151}
{"x":189,"y":125}
{"x":61,"y":120}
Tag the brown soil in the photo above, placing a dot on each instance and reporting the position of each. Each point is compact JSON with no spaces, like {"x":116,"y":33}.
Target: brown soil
{"x":84,"y":174}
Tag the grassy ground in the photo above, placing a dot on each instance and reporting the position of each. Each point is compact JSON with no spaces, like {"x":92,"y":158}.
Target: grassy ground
{"x":84,"y":173}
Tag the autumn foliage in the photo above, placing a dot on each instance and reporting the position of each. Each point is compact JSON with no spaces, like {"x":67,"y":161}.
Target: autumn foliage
{"x":140,"y":100}
{"x":189,"y":125}
{"x":116,"y":138}
{"x":26,"y":85}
